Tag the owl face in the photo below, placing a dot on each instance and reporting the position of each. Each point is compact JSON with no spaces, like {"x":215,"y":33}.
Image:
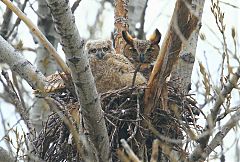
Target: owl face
{"x":141,"y":51}
{"x":99,"y":48}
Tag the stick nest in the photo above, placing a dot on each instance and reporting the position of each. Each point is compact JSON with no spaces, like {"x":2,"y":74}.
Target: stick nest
{"x":123,"y":112}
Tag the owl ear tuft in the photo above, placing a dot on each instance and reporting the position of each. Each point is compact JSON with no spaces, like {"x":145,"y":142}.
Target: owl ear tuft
{"x":109,"y":42}
{"x":87,"y":45}
{"x":155,"y":37}
{"x":127,"y":37}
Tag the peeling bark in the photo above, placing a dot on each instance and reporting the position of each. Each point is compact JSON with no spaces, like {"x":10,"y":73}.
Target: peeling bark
{"x":179,"y":30}
{"x":182,"y":70}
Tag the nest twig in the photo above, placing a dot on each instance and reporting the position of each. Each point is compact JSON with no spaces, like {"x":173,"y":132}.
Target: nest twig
{"x":122,"y":110}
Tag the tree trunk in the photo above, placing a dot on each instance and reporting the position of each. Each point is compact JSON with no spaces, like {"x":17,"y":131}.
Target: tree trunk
{"x":179,"y":30}
{"x":20,"y":65}
{"x":182,"y":70}
{"x":73,"y":47}
{"x":136,"y":10}
{"x":120,"y":23}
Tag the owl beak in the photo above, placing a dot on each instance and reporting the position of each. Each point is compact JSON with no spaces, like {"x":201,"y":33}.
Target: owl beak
{"x":100,"y":55}
{"x":142,"y":57}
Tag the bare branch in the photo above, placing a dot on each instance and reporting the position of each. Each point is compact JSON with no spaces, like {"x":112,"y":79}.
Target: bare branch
{"x":218,"y":138}
{"x":75,"y":5}
{"x":17,"y":22}
{"x":6,"y":22}
{"x":15,"y":99}
{"x":44,"y":61}
{"x":212,"y":118}
{"x":38,"y":33}
{"x":132,"y":157}
{"x":21,"y":66}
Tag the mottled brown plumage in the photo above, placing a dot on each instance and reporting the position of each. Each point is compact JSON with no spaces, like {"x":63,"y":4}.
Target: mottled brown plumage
{"x":111,"y":71}
{"x":142,"y":52}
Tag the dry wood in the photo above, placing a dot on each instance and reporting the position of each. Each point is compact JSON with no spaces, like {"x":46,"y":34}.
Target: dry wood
{"x":169,"y":52}
{"x":120,"y":23}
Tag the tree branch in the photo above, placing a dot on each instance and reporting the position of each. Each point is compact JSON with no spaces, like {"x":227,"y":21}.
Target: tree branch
{"x":6,"y":22}
{"x":212,"y":118}
{"x":21,"y":66}
{"x":38,"y":33}
{"x":182,"y":70}
{"x":218,"y":139}
{"x":44,"y":61}
{"x":17,"y":22}
{"x":180,"y":28}
{"x":82,"y":76}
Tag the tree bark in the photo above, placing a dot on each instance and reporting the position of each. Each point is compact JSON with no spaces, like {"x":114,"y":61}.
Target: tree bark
{"x":73,"y":47}
{"x":120,"y":23}
{"x":218,"y":138}
{"x":20,"y":65}
{"x":44,"y":61}
{"x":182,"y":70}
{"x":179,"y":30}
{"x":6,"y":24}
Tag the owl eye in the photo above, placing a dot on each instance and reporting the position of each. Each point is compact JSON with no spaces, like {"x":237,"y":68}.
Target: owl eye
{"x":132,"y":49}
{"x":94,"y":50}
{"x":150,"y":49}
{"x":105,"y":49}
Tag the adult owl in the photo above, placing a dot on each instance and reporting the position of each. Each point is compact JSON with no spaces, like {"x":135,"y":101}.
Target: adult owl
{"x":111,"y":71}
{"x":142,"y":52}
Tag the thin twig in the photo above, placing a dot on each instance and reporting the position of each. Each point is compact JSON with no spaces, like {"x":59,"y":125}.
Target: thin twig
{"x":13,"y":95}
{"x":6,"y":22}
{"x":135,"y":74}
{"x":17,"y":22}
{"x":129,"y":151}
{"x":75,"y":5}
{"x":39,"y":34}
{"x":137,"y":122}
{"x":155,"y":146}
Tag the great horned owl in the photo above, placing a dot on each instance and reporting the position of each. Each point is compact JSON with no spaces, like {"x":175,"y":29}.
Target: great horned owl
{"x":111,"y":71}
{"x":142,"y":52}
